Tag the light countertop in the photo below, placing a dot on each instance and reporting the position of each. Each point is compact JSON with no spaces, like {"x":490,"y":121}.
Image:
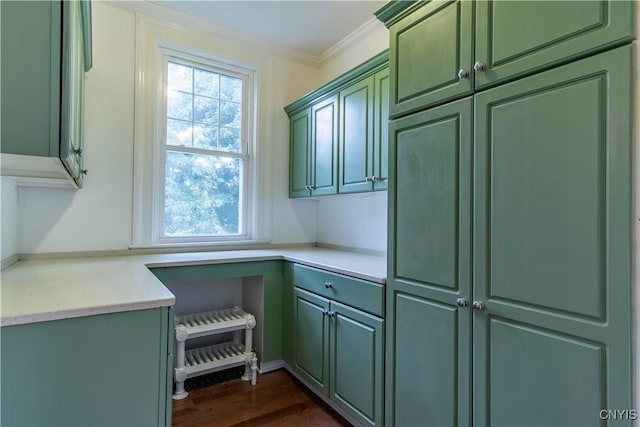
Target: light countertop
{"x":51,"y":289}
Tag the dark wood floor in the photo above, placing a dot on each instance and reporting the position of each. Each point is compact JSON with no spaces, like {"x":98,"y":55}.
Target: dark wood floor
{"x":277,"y":399}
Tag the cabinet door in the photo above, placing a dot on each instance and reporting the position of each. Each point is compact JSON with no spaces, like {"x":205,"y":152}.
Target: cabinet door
{"x":357,"y":374}
{"x":552,"y":238}
{"x":324,"y":154}
{"x":73,"y":66}
{"x":103,"y":370}
{"x":311,"y":339}
{"x":299,"y":152}
{"x":427,"y":50}
{"x":518,"y":37}
{"x":30,"y":77}
{"x":428,"y":337}
{"x":356,"y":137}
{"x":381,"y":129}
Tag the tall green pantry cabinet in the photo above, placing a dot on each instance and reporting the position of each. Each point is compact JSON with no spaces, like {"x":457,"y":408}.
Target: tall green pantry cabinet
{"x":509,"y":288}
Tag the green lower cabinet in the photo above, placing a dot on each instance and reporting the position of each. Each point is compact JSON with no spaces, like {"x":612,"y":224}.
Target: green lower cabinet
{"x":510,"y":304}
{"x":104,"y":370}
{"x":339,"y":351}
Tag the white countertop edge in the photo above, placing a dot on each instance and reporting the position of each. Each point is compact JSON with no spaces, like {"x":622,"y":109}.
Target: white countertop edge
{"x":86,"y":311}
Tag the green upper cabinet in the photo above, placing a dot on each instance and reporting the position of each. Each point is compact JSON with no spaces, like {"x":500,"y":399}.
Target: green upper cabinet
{"x":515,"y":38}
{"x":299,"y":150}
{"x":436,"y":30}
{"x":507,"y":39}
{"x":323,"y":176}
{"x":338,"y":134}
{"x":46,"y":49}
{"x":364,"y":118}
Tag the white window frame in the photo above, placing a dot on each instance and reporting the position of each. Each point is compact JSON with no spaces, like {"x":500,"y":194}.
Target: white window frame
{"x":247,"y":131}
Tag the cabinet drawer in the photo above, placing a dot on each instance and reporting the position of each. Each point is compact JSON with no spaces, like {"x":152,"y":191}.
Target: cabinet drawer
{"x":367,"y":296}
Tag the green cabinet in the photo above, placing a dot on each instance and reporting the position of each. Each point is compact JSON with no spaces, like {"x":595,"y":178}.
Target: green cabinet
{"x":46,"y":49}
{"x":337,"y":340}
{"x":338,"y":134}
{"x":364,"y":134}
{"x":104,"y":370}
{"x":314,"y":150}
{"x":509,"y":274}
{"x":428,"y":337}
{"x":505,"y":40}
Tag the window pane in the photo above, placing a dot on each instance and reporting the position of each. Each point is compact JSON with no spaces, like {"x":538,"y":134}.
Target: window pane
{"x":205,"y":136}
{"x":178,"y":132}
{"x":206,"y":83}
{"x":180,"y":77}
{"x":202,"y":195}
{"x":205,"y":110}
{"x":230,"y":113}
{"x":230,"y":88}
{"x":230,"y":140}
{"x":179,"y":105}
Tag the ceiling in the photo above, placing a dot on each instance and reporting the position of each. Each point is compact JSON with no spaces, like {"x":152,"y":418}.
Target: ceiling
{"x":308,"y":26}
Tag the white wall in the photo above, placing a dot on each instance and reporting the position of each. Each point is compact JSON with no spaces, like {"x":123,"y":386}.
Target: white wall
{"x":99,"y":216}
{"x":9,"y":216}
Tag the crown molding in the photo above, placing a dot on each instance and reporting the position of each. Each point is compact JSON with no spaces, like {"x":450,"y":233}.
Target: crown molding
{"x":361,"y":33}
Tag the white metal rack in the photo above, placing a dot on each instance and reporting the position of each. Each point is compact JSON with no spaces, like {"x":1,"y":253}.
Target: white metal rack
{"x":204,"y":360}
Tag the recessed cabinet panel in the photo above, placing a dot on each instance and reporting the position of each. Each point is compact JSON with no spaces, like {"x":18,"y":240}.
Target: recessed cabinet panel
{"x":325,"y":147}
{"x":356,"y":137}
{"x":564,"y":378}
{"x":311,"y":338}
{"x":547,"y":194}
{"x":357,"y":351}
{"x":515,"y":37}
{"x":299,"y":151}
{"x":429,"y":149}
{"x":439,"y":30}
{"x":423,"y":388}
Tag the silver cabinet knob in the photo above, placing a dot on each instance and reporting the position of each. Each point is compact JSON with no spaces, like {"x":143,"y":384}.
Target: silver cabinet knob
{"x":478,"y":305}
{"x":463,"y":74}
{"x":328,"y":285}
{"x":78,"y":152}
{"x":331,"y":313}
{"x":462,"y":302}
{"x":84,"y":172}
{"x":367,"y":178}
{"x":374,"y":178}
{"x":479,"y":66}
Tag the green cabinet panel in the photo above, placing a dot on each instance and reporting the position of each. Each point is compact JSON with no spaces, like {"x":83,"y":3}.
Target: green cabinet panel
{"x":428,"y":366}
{"x":362,"y":294}
{"x":311,"y":339}
{"x":364,"y":118}
{"x":438,"y":29}
{"x":552,"y":238}
{"x":324,"y":147}
{"x":428,"y":336}
{"x":101,"y":370}
{"x":46,"y":49}
{"x":356,"y":366}
{"x":356,"y":137}
{"x":299,"y":152}
{"x":514,"y":38}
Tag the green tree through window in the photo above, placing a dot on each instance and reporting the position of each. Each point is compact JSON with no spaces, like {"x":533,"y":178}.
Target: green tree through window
{"x":204,"y":151}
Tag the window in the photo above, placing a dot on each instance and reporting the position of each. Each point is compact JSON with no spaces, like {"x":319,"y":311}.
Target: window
{"x":206,"y":128}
